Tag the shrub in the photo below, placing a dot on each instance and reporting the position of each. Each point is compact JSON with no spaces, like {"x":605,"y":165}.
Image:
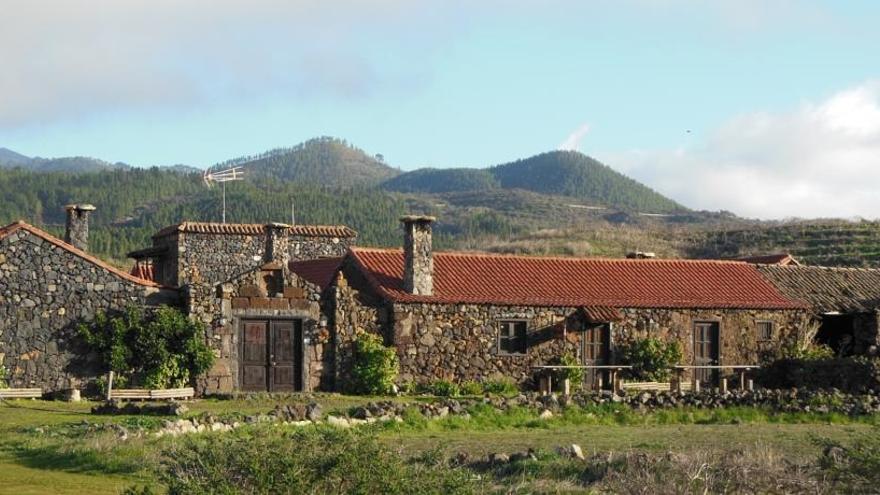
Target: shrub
{"x":471,"y":387}
{"x":852,"y":467}
{"x":325,"y":460}
{"x":502,"y":386}
{"x":650,"y":358}
{"x":575,"y":376}
{"x":443,"y":388}
{"x":163,"y":350}
{"x":2,"y":377}
{"x":375,"y":366}
{"x":857,"y":375}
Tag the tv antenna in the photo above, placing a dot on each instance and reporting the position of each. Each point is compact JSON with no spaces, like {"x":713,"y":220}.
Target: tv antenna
{"x":223,"y":176}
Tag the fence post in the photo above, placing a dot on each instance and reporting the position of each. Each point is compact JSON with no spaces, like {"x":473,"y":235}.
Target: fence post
{"x":110,"y":385}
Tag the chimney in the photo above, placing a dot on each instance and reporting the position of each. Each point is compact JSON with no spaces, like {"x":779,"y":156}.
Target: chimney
{"x":418,"y":271}
{"x":277,"y":242}
{"x":76,"y":232}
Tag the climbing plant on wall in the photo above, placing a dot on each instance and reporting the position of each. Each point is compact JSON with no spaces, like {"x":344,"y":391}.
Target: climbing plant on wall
{"x":162,"y":349}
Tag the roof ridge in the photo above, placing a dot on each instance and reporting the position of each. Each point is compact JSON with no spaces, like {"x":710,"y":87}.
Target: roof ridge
{"x":484,"y":254}
{"x":21,"y":224}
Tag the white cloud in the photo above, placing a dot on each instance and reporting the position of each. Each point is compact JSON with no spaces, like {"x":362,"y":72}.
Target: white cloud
{"x":819,"y":160}
{"x":574,"y":140}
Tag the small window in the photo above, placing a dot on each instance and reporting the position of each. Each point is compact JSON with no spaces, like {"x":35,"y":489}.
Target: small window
{"x":765,"y":331}
{"x":512,"y":337}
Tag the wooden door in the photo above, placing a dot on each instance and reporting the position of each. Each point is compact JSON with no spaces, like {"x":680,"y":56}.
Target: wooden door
{"x":706,"y":352}
{"x":285,"y":356}
{"x":255,"y":356}
{"x":271,"y":355}
{"x":595,"y":350}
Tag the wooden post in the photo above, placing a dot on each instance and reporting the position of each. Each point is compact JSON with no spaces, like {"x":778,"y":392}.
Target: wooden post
{"x":696,"y":384}
{"x":597,"y":383}
{"x":110,"y":385}
{"x":751,"y":385}
{"x":566,"y":387}
{"x":742,"y":379}
{"x":724,"y":385}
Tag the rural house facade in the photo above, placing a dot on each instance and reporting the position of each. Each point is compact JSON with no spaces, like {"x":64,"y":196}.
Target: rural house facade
{"x":283,"y":305}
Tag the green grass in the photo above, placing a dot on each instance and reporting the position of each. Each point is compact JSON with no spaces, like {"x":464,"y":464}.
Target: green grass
{"x":45,"y":446}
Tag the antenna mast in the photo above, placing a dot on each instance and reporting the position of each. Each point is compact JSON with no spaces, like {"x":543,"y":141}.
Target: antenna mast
{"x":223,"y":176}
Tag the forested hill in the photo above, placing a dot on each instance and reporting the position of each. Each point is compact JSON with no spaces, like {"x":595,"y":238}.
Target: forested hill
{"x":11,"y":159}
{"x":322,"y":161}
{"x":559,"y":173}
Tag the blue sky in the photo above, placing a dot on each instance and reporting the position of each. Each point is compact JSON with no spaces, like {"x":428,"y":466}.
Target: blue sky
{"x":454,"y":83}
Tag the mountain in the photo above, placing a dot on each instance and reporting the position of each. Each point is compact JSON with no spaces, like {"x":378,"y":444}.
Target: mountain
{"x":558,"y":173}
{"x":322,"y":161}
{"x":432,"y":180}
{"x":573,"y":174}
{"x":11,"y":159}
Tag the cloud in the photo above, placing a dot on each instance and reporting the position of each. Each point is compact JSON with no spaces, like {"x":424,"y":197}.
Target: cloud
{"x":819,"y":160}
{"x":66,"y":59}
{"x":573,"y":141}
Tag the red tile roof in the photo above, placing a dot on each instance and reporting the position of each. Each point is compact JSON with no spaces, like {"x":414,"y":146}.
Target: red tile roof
{"x":602,"y":314}
{"x":144,"y":271}
{"x":22,"y":225}
{"x":319,"y":272}
{"x":547,"y":281}
{"x":255,"y":229}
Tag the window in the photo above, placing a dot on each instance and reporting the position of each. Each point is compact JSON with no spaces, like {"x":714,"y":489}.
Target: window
{"x":765,"y":331}
{"x":512,"y":337}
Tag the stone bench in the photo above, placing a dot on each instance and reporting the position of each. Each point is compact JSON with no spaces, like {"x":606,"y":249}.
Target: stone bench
{"x":144,"y":394}
{"x":21,"y":393}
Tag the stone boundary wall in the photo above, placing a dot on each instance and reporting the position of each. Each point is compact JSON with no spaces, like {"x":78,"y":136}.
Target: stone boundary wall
{"x":45,"y":291}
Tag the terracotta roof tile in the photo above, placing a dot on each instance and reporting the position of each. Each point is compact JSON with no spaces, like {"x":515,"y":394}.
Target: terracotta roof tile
{"x":602,"y":314}
{"x":319,"y":272}
{"x":21,"y":225}
{"x":255,"y":229}
{"x":144,"y":271}
{"x":828,"y":289}
{"x":580,"y":282}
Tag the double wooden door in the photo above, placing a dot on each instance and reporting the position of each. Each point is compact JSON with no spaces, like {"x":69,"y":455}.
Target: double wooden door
{"x":596,"y":347}
{"x":706,"y":352}
{"x":271,"y":355}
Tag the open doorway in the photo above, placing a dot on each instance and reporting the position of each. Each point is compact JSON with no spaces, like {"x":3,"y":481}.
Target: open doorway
{"x":837,"y":331}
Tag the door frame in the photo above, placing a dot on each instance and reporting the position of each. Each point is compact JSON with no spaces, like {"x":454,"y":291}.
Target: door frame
{"x":715,"y":374}
{"x":300,"y":357}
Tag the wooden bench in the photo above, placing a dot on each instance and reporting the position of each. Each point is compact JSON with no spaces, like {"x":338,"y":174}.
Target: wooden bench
{"x":21,"y":393}
{"x":144,"y":394}
{"x":638,"y":386}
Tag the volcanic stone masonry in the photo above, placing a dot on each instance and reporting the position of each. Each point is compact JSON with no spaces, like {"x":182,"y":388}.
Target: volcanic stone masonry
{"x":46,"y":289}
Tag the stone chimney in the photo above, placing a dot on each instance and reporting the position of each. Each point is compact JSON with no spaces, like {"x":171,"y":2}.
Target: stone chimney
{"x":76,"y":232}
{"x":418,"y":271}
{"x":277,"y":242}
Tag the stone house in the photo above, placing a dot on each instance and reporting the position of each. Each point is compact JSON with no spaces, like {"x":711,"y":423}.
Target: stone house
{"x":467,"y":316}
{"x":843,"y":302}
{"x":47,"y":287}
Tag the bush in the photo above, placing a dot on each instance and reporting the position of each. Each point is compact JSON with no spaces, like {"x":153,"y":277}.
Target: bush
{"x":326,"y":460}
{"x":856,"y":375}
{"x":575,"y":376}
{"x":3,"y":377}
{"x":443,"y":388}
{"x":163,"y":350}
{"x":651,"y":358}
{"x":501,"y":386}
{"x":471,"y":387}
{"x":852,"y":467}
{"x":375,"y":366}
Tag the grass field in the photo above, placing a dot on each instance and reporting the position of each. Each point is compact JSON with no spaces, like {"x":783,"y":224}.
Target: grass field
{"x":45,"y":447}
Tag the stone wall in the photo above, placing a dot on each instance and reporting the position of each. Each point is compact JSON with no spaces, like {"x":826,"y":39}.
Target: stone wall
{"x":196,"y":258}
{"x":270,"y":291}
{"x":460,"y":341}
{"x":45,"y":291}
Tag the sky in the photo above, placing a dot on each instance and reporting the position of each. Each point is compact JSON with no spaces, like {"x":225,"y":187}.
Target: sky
{"x":766,"y":108}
